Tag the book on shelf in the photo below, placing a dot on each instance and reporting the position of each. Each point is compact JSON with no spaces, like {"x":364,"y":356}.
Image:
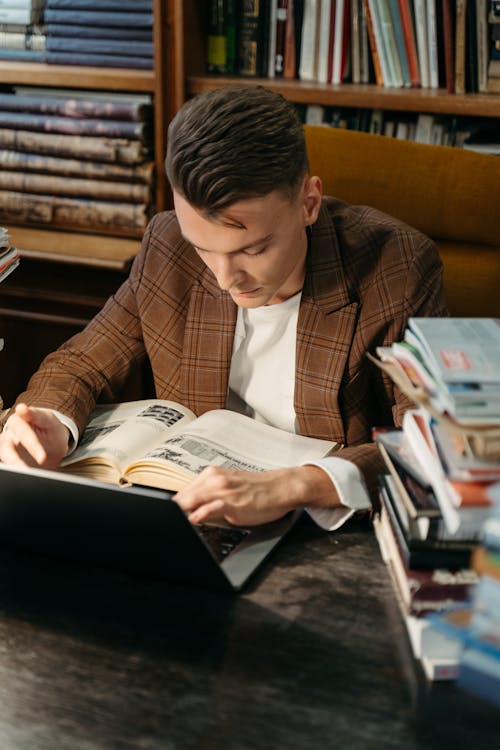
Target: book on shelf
{"x":22,"y":40}
{"x":126,"y":19}
{"x":88,"y":214}
{"x":253,"y":39}
{"x":482,"y":45}
{"x":45,"y":184}
{"x":460,"y":36}
{"x":399,"y":34}
{"x":76,"y":104}
{"x":389,"y":44}
{"x":24,"y":120}
{"x":432,"y":43}
{"x":98,"y":32}
{"x":448,"y":45}
{"x":108,"y":5}
{"x":93,"y":59}
{"x":326,"y":40}
{"x":163,"y":444}
{"x":308,"y":66}
{"x":29,"y":14}
{"x":374,"y":42}
{"x":292,"y":39}
{"x":68,"y":44}
{"x":422,"y":41}
{"x":113,"y":150}
{"x":21,"y":161}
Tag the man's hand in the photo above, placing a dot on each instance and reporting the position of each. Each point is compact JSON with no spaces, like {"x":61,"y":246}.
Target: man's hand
{"x":246,"y":498}
{"x":33,"y":437}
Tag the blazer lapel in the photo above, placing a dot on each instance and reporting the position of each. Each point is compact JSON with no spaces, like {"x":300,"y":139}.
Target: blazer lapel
{"x":208,"y":345}
{"x":325,"y":330}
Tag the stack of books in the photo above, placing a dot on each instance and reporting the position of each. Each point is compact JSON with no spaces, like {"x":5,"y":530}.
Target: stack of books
{"x":76,"y":160}
{"x":109,"y":33}
{"x":9,"y":256}
{"x":477,"y":627}
{"x":22,"y":35}
{"x":436,"y":496}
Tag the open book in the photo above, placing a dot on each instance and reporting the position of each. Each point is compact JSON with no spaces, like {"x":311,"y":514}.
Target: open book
{"x":163,"y":444}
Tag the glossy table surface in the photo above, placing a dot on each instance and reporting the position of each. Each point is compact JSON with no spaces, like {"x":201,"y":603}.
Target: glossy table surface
{"x":313,"y":654}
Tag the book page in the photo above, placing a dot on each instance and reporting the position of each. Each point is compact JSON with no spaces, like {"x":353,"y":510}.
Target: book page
{"x":123,"y":432}
{"x":225,"y":438}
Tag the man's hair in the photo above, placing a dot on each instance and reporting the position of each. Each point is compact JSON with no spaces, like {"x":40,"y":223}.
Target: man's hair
{"x":233,"y":143}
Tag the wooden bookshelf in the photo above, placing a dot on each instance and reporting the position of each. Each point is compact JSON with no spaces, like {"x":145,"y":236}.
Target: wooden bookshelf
{"x":189,"y":20}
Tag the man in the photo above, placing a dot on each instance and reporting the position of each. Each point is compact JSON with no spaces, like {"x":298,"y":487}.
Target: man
{"x":256,"y":294}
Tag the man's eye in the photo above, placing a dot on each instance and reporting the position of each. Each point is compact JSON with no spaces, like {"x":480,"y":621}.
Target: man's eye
{"x":259,"y":252}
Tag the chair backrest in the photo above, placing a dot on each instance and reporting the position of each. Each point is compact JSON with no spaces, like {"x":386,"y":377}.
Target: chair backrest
{"x":450,"y":194}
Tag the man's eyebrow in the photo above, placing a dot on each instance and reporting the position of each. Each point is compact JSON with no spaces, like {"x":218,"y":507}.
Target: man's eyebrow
{"x":261,"y":241}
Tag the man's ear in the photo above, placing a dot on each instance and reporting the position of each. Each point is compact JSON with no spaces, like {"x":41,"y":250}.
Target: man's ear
{"x":311,"y":199}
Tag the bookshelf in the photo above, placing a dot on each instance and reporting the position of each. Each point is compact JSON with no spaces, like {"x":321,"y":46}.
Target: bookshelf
{"x":189,"y":19}
{"x":66,"y":276}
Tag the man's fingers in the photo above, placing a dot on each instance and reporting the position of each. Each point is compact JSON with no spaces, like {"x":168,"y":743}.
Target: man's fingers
{"x":21,"y":433}
{"x":207,"y":511}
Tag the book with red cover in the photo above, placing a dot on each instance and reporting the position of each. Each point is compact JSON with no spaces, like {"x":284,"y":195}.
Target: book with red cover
{"x":410,"y":42}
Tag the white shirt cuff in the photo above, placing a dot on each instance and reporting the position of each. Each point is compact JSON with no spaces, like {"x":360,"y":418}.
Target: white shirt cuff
{"x":351,"y":490}
{"x":67,"y":422}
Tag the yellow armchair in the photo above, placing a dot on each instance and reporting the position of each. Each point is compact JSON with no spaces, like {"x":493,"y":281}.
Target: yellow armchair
{"x":450,"y":194}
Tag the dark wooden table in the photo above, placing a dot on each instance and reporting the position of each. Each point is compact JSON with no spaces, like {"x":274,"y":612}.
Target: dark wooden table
{"x":312,"y":655}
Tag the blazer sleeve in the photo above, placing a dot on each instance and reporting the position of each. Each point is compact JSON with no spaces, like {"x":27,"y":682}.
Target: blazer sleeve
{"x":97,"y":361}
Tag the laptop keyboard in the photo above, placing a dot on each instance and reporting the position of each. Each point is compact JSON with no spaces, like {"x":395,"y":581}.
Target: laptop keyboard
{"x":221,"y":540}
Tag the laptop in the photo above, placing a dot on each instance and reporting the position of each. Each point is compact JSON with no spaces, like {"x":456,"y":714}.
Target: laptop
{"x":134,"y":529}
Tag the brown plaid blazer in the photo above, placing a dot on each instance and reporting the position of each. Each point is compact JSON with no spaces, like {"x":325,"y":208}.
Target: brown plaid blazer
{"x":366,"y":275}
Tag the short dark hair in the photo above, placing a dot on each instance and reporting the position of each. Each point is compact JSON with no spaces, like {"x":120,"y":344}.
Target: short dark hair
{"x":235,"y":142}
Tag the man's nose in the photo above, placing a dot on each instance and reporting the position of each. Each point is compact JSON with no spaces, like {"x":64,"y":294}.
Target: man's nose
{"x":227,"y":271}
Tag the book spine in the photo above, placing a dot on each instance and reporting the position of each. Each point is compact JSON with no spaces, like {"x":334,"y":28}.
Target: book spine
{"x":23,"y":55}
{"x":111,"y":150}
{"x":298,"y":17}
{"x":231,"y":32}
{"x":21,"y":3}
{"x":102,"y":46}
{"x":449,"y":46}
{"x":98,"y":18}
{"x":28,"y":162}
{"x":482,"y":45}
{"x":22,"y":41}
{"x":377,"y":67}
{"x":471,"y":82}
{"x":74,"y":187}
{"x":71,"y":213}
{"x":339,"y":41}
{"x":410,"y":42}
{"x":308,"y":60}
{"x":106,"y":5}
{"x":421,"y":34}
{"x":432,"y":44}
{"x":282,"y":13}
{"x":460,"y":31}
{"x":356,"y":41}
{"x":397,"y":24}
{"x":216,"y":38}
{"x":325,"y":42}
{"x":378,"y":42}
{"x":21,"y":15}
{"x":389,"y":41}
{"x":251,"y":38}
{"x":98,"y":32}
{"x":290,"y":64}
{"x":71,"y":125}
{"x":73,"y":108}
{"x":94,"y":60}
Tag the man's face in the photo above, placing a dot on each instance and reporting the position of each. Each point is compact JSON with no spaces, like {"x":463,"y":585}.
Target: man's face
{"x":257,"y":247}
